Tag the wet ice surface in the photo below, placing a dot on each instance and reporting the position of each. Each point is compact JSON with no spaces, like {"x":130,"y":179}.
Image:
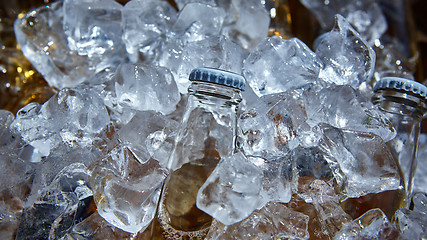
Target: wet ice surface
{"x":145,"y":24}
{"x":274,"y":221}
{"x":420,"y":179}
{"x":277,"y":65}
{"x":365,"y":162}
{"x":145,"y":87}
{"x":58,"y":206}
{"x":71,"y":117}
{"x":126,"y":190}
{"x":231,"y":192}
{"x":413,"y":224}
{"x":365,"y":15}
{"x":347,"y":57}
{"x":93,"y":29}
{"x":371,"y":225}
{"x":149,"y":135}
{"x":43,"y":41}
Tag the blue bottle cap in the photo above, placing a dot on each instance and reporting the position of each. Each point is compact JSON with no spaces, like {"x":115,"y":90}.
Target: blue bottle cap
{"x":218,"y":76}
{"x":402,"y":84}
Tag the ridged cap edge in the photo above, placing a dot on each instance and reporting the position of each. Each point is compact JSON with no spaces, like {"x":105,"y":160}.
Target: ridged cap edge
{"x":218,"y":76}
{"x":402,"y":84}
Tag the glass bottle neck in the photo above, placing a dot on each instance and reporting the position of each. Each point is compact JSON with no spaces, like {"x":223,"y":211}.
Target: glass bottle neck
{"x":401,"y":103}
{"x":405,"y":111}
{"x":214,"y":94}
{"x":208,"y":126}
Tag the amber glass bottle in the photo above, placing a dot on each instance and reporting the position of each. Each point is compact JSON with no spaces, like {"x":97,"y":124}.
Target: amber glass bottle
{"x":207,"y":133}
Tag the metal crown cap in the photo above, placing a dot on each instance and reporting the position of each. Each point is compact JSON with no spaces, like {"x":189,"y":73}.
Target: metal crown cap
{"x":402,"y":84}
{"x":218,"y":76}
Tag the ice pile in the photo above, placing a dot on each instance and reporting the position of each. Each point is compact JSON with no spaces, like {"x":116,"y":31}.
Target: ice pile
{"x":91,"y":161}
{"x":365,"y":15}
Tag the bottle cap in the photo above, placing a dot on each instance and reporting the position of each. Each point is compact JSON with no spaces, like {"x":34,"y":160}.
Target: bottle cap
{"x":218,"y":76}
{"x":402,"y":84}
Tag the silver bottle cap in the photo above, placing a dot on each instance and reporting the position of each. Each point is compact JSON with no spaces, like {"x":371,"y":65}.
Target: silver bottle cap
{"x":218,"y":76}
{"x":402,"y":84}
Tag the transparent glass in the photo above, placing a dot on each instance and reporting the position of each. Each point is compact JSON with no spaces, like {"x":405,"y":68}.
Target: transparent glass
{"x":405,"y":111}
{"x":207,"y":133}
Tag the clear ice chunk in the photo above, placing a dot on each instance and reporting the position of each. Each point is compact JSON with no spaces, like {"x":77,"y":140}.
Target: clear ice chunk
{"x":276,"y":185}
{"x":362,"y":163}
{"x":347,"y":58}
{"x":198,"y":20}
{"x":371,"y":225}
{"x":44,"y":43}
{"x":246,"y":23}
{"x":145,"y":24}
{"x":95,"y":227}
{"x":231,"y":193}
{"x":126,"y":191}
{"x":269,"y":127}
{"x":277,"y":65}
{"x":8,"y":139}
{"x":149,"y":135}
{"x":215,"y":52}
{"x":365,"y":15}
{"x":146,"y":87}
{"x":58,"y":206}
{"x":274,"y":221}
{"x":344,"y":108}
{"x":413,"y":224}
{"x":420,"y":178}
{"x":72,"y":117}
{"x":93,"y":28}
{"x":420,"y":202}
{"x":317,"y":199}
{"x":181,"y":3}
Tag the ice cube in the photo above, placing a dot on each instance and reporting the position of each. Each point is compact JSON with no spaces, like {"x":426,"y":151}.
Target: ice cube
{"x":16,"y":183}
{"x":246,"y":23}
{"x":9,"y":140}
{"x":365,"y":15}
{"x":363,"y":162}
{"x":198,"y":21}
{"x":181,"y":3}
{"x":146,"y":87}
{"x":95,"y":227}
{"x":411,"y":224}
{"x":215,"y":52}
{"x":276,"y":187}
{"x":420,"y":202}
{"x":72,"y":117}
{"x":93,"y":28}
{"x":64,"y":202}
{"x":277,"y":65}
{"x":269,"y":127}
{"x":420,"y":178}
{"x":371,"y":225}
{"x":231,"y":193}
{"x":126,"y":190}
{"x":317,"y":199}
{"x":149,"y":135}
{"x":145,"y":24}
{"x":344,"y":108}
{"x":44,"y":43}
{"x":274,"y":221}
{"x":347,"y":58}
